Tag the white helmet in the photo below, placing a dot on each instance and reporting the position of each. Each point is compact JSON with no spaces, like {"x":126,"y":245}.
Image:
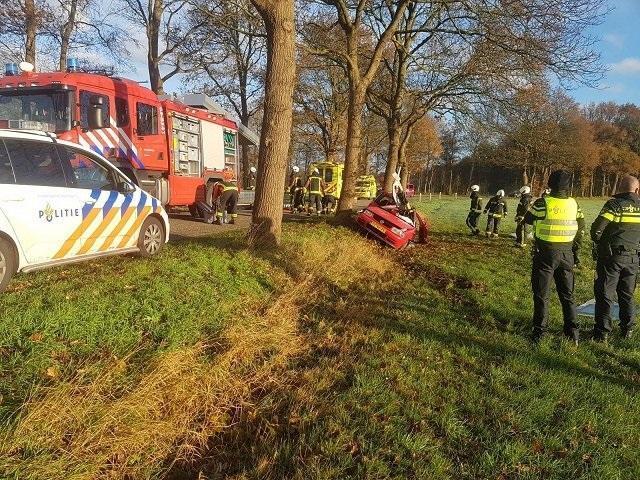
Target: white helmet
{"x":296,"y":169}
{"x":500,"y":193}
{"x":526,"y":190}
{"x":316,"y":171}
{"x":475,"y":188}
{"x":253,"y":169}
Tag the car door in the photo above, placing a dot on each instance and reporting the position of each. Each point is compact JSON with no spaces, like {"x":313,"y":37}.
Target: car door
{"x":39,"y":206}
{"x":109,"y":203}
{"x":150,"y":136}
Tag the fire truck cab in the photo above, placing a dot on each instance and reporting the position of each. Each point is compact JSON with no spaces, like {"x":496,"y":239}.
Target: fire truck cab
{"x":168,"y":148}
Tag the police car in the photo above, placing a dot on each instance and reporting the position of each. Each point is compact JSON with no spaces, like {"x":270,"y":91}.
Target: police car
{"x":61,"y":203}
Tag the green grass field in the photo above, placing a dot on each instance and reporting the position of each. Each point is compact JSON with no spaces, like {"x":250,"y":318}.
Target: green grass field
{"x":410,"y":365}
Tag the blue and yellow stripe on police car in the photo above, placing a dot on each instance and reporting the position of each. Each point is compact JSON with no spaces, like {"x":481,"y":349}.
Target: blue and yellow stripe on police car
{"x":108,"y":214}
{"x":117,"y":216}
{"x":88,"y":216}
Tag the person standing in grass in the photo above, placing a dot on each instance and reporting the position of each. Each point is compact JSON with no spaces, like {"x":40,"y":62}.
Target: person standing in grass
{"x":616,"y":238}
{"x":523,"y":207}
{"x":497,"y":210}
{"x":475,"y":210}
{"x":316,"y":188}
{"x":558,"y":224}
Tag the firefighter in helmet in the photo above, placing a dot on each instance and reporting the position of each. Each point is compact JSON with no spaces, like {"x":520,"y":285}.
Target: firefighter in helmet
{"x":225,"y":196}
{"x":526,"y":199}
{"x":475,"y":210}
{"x":497,"y":210}
{"x":297,"y":205}
{"x":316,"y":188}
{"x":294,"y":179}
{"x":558,"y":225}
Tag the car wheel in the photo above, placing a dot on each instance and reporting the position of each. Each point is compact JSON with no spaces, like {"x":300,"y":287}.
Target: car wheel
{"x":8,"y":263}
{"x":195,"y":211}
{"x":151,"y":238}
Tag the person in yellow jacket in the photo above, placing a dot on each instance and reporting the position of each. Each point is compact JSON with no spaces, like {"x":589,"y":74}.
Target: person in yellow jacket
{"x":558,"y":225}
{"x":316,"y":188}
{"x":225,"y":195}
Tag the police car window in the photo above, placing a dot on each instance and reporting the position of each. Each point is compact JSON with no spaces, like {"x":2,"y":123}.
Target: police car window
{"x":122,"y":112}
{"x":6,"y":172}
{"x":35,"y":163}
{"x":147,"y":119}
{"x":88,"y":101}
{"x":86,"y":172}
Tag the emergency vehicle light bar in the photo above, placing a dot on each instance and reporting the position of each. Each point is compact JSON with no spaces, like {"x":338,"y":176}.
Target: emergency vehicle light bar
{"x":11,"y":69}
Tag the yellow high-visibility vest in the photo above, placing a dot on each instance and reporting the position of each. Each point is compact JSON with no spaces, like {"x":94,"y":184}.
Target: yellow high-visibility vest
{"x":560,"y":224}
{"x":229,"y":186}
{"x":315,"y":185}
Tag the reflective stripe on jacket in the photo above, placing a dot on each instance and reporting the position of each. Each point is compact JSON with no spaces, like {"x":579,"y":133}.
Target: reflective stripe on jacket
{"x":559,"y":220}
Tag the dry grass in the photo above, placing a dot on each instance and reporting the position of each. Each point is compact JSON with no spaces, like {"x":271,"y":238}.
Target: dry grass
{"x":125,"y":424}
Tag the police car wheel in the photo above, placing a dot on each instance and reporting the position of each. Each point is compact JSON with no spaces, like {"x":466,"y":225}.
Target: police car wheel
{"x":151,"y":238}
{"x":8,"y":263}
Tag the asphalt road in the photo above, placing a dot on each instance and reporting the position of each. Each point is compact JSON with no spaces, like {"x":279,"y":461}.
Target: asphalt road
{"x":183,"y":225}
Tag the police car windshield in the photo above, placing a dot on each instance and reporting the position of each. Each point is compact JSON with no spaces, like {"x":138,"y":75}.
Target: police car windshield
{"x":47,"y":111}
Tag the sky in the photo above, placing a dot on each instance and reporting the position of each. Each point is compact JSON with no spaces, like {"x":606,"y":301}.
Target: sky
{"x":619,"y":45}
{"x":618,"y":41}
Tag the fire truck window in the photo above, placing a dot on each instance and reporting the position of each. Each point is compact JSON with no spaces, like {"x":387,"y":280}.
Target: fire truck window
{"x":35,"y":163}
{"x":147,"y":119}
{"x":87,"y":101}
{"x":6,"y":172}
{"x":122,"y":112}
{"x":85,"y":172}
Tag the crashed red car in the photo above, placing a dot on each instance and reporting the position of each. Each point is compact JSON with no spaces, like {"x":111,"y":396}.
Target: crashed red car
{"x":383,"y":219}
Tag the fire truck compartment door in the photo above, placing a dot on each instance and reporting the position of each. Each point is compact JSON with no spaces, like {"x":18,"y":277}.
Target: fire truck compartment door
{"x":213,"y":146}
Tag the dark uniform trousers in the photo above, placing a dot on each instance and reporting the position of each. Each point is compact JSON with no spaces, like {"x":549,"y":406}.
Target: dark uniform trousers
{"x":472,"y":221}
{"x":315,"y":201}
{"x":615,"y":276}
{"x":553,"y":265}
{"x":493,"y":224}
{"x":228,"y":202}
{"x":522,"y":230}
{"x":298,"y":199}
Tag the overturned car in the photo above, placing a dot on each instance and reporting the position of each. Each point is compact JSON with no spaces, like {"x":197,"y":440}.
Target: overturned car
{"x":394,"y":225}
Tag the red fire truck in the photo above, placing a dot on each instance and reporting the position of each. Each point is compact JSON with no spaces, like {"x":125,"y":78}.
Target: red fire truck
{"x":167,"y":147}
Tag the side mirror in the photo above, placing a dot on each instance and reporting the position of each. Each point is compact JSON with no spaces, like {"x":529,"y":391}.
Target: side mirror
{"x":125,"y":188}
{"x":94,"y":115}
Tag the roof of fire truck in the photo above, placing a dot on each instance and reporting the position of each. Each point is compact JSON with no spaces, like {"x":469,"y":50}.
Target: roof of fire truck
{"x":122,"y":87}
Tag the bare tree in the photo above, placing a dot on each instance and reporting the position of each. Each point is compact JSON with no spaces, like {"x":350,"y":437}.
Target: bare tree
{"x":279,"y":22}
{"x":80,"y":26}
{"x":232,"y":58}
{"x":169,"y":32}
{"x":360,"y":49}
{"x":320,"y":106}
{"x":21,"y":22}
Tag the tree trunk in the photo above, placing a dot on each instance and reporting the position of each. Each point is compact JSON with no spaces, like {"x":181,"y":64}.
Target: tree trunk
{"x":245,"y":164}
{"x":278,"y":17}
{"x":31,"y":31}
{"x":404,"y":175}
{"x":393,"y":153}
{"x":65,"y":34}
{"x":614,"y":187}
{"x":352,"y":155}
{"x":153,"y":53}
